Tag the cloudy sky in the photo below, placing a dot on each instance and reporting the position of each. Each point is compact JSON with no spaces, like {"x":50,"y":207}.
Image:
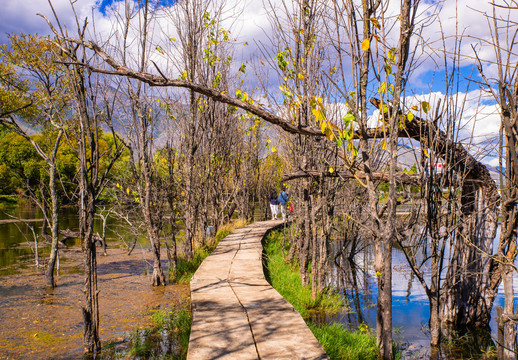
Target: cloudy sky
{"x":445,"y":22}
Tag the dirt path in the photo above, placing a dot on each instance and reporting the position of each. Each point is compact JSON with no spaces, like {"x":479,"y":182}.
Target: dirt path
{"x":40,"y":324}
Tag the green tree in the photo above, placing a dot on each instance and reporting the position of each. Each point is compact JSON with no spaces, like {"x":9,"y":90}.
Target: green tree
{"x":35,"y":77}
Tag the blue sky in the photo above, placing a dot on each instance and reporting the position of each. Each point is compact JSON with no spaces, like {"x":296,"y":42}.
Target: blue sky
{"x":253,"y":25}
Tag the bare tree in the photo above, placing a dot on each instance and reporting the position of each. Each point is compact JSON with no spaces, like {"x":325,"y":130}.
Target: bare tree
{"x":92,"y":111}
{"x":504,"y":90}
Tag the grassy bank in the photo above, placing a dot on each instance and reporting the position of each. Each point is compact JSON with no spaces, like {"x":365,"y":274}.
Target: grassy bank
{"x":166,"y":337}
{"x":8,"y":201}
{"x":338,"y":342}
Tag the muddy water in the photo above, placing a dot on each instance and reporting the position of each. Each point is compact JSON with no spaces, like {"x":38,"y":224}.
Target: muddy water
{"x":40,"y":324}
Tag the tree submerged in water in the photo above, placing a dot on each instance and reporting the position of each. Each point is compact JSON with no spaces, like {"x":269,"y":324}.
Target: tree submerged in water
{"x":343,"y":159}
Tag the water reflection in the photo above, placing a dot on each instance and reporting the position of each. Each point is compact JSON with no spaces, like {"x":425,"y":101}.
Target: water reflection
{"x":354,"y":273}
{"x":17,"y":239}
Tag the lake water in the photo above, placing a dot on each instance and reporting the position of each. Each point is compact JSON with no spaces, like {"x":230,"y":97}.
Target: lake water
{"x":410,"y":307}
{"x":17,"y":240}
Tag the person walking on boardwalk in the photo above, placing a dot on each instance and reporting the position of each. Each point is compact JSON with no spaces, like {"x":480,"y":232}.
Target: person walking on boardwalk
{"x":274,"y":204}
{"x":283,"y":201}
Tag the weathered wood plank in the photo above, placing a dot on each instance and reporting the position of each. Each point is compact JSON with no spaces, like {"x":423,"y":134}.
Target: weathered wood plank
{"x":237,"y":314}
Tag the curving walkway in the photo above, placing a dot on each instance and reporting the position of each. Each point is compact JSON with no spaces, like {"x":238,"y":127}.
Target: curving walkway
{"x":237,"y":314}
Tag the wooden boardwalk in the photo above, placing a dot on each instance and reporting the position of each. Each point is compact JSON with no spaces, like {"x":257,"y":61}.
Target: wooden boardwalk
{"x":237,"y":314}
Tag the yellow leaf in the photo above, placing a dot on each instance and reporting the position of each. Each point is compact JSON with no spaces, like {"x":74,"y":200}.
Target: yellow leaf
{"x":300,"y":76}
{"x":331,"y":170}
{"x":391,"y":56}
{"x":410,"y":116}
{"x":426,"y":153}
{"x":425,"y":106}
{"x":375,"y":22}
{"x":366,"y":44}
{"x":330,"y":135}
{"x":384,"y":145}
{"x":127,"y":191}
{"x":273,"y":149}
{"x":333,"y":70}
{"x":415,"y":108}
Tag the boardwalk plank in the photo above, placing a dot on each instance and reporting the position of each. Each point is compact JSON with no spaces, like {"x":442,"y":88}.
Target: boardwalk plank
{"x":237,"y":314}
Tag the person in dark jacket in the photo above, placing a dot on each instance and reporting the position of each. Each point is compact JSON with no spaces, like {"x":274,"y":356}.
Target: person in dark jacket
{"x":274,"y":204}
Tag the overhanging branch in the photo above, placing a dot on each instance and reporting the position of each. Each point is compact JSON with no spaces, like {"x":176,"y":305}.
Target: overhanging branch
{"x":162,"y":81}
{"x":401,"y":177}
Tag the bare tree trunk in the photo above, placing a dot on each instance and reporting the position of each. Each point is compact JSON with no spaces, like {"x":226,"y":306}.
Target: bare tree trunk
{"x":315,"y":256}
{"x":91,"y":341}
{"x":158,"y":277}
{"x":467,"y":296}
{"x":190,"y":229}
{"x":306,"y":238}
{"x":509,"y":325}
{"x":54,"y":228}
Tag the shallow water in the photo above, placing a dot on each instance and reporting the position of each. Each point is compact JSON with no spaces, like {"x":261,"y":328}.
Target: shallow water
{"x":17,"y":240}
{"x":37,"y":321}
{"x":410,"y":306}
{"x":41,"y":323}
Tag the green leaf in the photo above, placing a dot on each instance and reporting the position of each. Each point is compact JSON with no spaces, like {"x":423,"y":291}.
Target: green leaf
{"x":352,"y":149}
{"x":425,"y":106}
{"x":348,"y":118}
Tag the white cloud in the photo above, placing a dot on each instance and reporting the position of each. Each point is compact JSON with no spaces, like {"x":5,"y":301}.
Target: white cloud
{"x":20,"y":16}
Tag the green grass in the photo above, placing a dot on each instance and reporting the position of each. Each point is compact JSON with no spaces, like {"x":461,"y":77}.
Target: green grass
{"x":169,"y":329}
{"x":338,"y":342}
{"x":8,"y":202}
{"x":8,"y":199}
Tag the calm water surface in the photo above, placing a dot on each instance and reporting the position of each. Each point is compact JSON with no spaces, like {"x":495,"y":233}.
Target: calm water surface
{"x":17,"y":240}
{"x":410,"y":307}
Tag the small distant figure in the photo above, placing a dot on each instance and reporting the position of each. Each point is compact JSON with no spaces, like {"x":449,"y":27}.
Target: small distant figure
{"x":274,"y":204}
{"x":283,"y":201}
